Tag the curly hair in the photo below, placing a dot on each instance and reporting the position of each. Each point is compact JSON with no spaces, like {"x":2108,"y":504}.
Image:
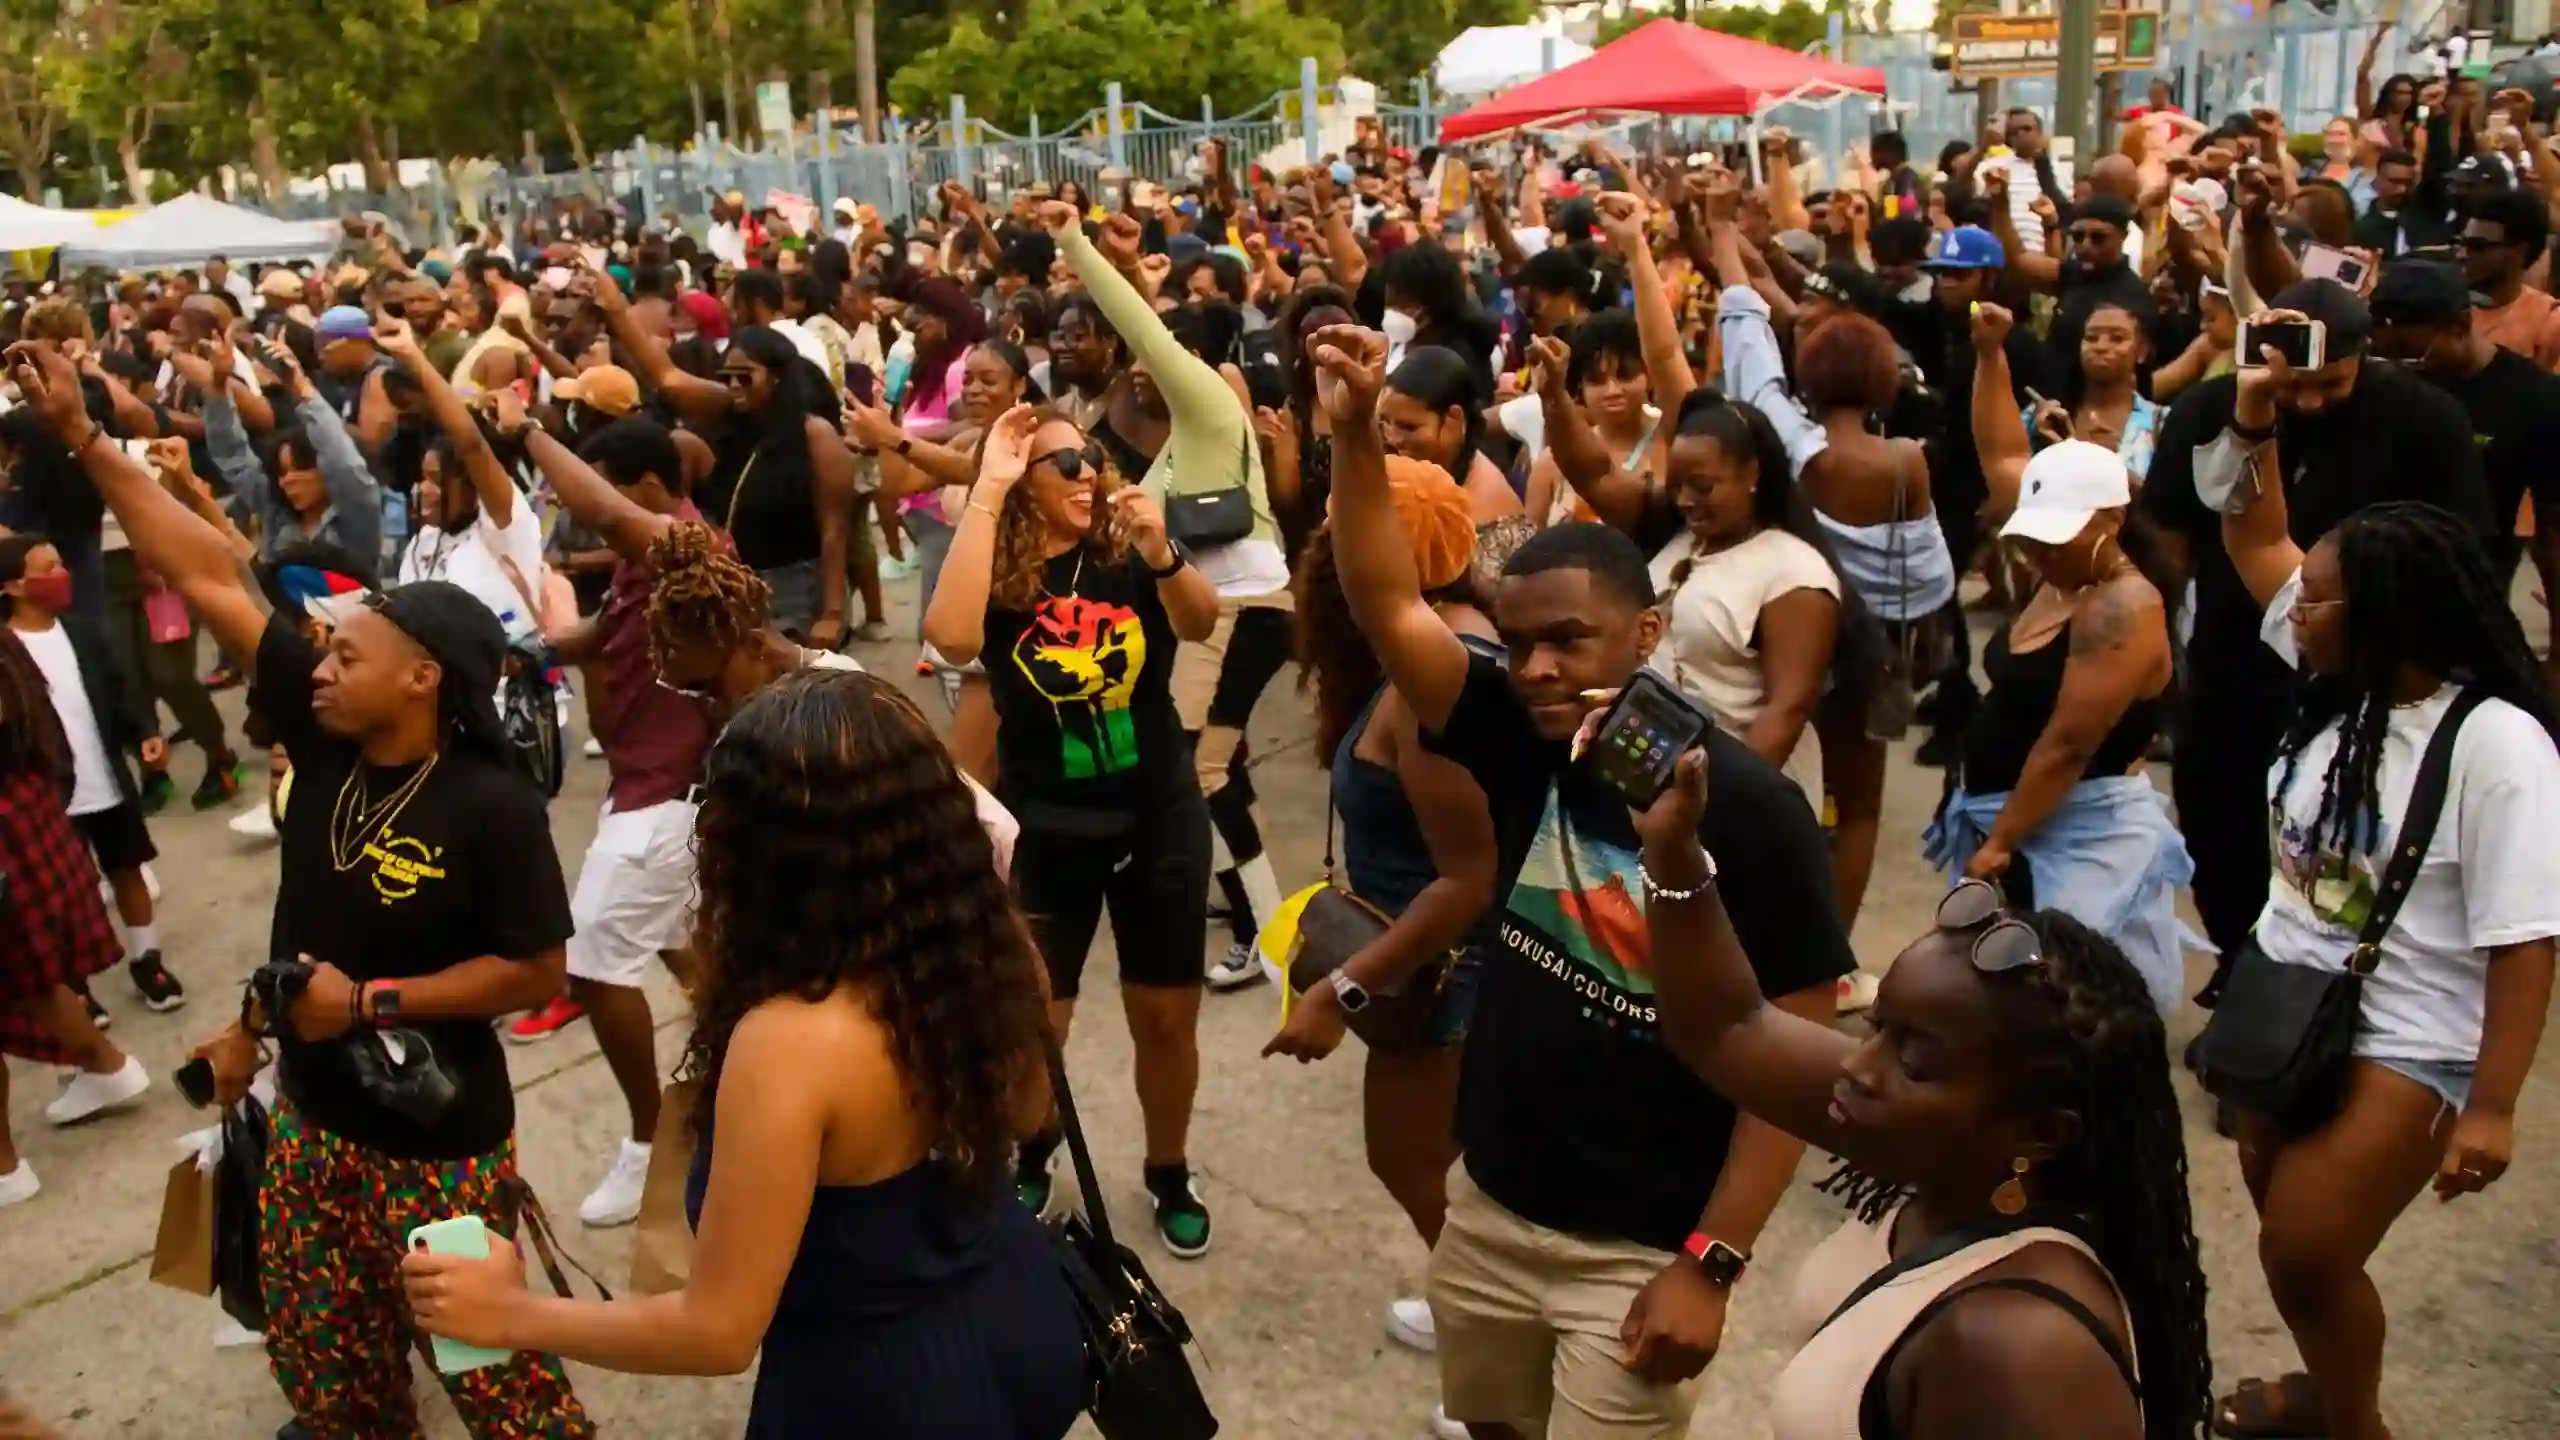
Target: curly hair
{"x":704,"y":595}
{"x":839,"y":848}
{"x":2085,"y":1036}
{"x":1018,"y":578}
{"x":1335,"y":660}
{"x":1848,"y":362}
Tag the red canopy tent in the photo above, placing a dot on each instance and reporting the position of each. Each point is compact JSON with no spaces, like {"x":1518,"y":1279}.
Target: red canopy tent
{"x":1669,"y":67}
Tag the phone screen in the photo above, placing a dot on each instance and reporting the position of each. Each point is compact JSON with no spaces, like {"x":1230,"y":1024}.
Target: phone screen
{"x":2298,"y":341}
{"x":2327,"y":262}
{"x":862,"y":384}
{"x":1643,"y":737}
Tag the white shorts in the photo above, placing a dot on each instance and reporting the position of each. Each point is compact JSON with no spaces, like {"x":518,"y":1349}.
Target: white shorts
{"x":635,"y":893}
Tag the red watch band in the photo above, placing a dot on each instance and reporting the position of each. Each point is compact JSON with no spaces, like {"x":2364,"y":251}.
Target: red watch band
{"x":1723,"y":1263}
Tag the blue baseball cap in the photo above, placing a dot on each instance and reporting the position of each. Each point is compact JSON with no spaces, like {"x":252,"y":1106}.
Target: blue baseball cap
{"x":343,"y":322}
{"x":1966,"y":247}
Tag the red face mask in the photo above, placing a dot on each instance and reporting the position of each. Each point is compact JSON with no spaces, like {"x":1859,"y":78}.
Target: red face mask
{"x":49,"y":593}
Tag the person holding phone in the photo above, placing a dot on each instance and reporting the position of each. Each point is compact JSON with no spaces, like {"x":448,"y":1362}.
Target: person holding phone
{"x":320,"y":490}
{"x":1595,"y":1167}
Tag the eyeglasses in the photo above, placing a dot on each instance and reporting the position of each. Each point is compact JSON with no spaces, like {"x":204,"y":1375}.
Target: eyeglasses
{"x":1069,"y":460}
{"x":738,"y":379}
{"x":2300,"y":606}
{"x":2005,"y":942}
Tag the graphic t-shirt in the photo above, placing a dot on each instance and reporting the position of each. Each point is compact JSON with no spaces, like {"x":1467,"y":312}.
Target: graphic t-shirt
{"x":2491,"y":877}
{"x":1573,"y":1113}
{"x":388,"y":889}
{"x":1083,"y":685}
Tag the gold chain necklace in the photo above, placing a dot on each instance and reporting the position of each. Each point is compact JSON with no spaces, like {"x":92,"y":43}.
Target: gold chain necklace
{"x":354,"y":820}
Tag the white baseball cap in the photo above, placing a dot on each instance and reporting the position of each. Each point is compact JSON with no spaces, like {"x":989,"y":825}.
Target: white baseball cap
{"x":2064,"y":485}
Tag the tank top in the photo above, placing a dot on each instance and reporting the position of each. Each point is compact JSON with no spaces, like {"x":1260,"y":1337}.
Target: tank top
{"x":1834,"y":1387}
{"x":2025,"y":685}
{"x":765,"y":505}
{"x":1384,"y":856}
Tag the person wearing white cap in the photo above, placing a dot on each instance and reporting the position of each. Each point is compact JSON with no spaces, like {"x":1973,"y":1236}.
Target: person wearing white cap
{"x":2050,"y":802}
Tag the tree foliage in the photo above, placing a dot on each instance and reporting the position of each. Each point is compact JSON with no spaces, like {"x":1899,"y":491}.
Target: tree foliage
{"x":1790,"y":26}
{"x":1390,"y":44}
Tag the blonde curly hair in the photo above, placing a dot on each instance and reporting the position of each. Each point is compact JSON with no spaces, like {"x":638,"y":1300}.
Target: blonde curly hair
{"x":1016,"y":580}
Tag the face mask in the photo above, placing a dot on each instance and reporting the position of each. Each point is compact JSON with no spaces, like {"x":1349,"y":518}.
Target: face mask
{"x":49,"y":593}
{"x":1399,"y":327}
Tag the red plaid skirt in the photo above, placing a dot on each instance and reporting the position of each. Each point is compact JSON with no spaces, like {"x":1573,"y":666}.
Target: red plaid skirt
{"x":54,"y":928}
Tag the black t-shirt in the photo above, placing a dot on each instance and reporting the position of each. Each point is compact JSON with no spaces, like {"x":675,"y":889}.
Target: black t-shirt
{"x":2396,"y":438}
{"x":1573,"y":1113}
{"x":1083,"y":684}
{"x":464,"y":869}
{"x":2514,"y":407}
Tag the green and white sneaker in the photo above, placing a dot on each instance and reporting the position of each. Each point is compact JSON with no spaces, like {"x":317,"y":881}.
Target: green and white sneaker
{"x":1181,"y":1219}
{"x":1032,"y":1180}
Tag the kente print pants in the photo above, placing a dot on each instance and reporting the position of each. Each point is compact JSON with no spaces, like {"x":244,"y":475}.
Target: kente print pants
{"x":333,"y":1217}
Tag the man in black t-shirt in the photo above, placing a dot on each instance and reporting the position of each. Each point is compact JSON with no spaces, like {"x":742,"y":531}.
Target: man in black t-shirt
{"x":1609,"y":1198}
{"x":2350,"y":434}
{"x":420,"y":889}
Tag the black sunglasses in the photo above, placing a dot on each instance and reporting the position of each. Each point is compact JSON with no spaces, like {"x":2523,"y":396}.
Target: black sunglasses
{"x":2005,"y":942}
{"x":738,"y":379}
{"x":1068,"y":459}
{"x":2481,"y":242}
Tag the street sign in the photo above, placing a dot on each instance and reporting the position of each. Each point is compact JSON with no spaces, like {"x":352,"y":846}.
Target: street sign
{"x":2032,"y":44}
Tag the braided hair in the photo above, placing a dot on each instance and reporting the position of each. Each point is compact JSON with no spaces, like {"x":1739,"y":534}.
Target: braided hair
{"x":2085,"y":1036}
{"x":705,"y":595}
{"x":2420,"y":595}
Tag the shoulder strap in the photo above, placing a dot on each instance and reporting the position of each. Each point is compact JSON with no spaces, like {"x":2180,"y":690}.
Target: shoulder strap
{"x":1077,"y":1151}
{"x":1990,"y":1227}
{"x":2417,"y":830}
{"x":1875,"y":1414}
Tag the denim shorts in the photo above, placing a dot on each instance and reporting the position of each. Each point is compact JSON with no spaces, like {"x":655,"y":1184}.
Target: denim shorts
{"x":2450,"y":1079}
{"x":1457,"y":1007}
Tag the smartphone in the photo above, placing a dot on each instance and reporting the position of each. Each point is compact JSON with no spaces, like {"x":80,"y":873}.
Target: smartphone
{"x":137,"y":450}
{"x":2304,"y":344}
{"x":2328,"y":262}
{"x":1643,"y":736}
{"x":195,"y":1081}
{"x":467,"y":1236}
{"x":862,"y":384}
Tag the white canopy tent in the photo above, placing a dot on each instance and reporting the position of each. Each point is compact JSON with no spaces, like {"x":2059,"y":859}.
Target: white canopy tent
{"x":33,"y":227}
{"x":192,"y":229}
{"x":1487,"y":58}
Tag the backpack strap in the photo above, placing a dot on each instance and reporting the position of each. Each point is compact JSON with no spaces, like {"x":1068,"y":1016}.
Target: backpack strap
{"x":2417,"y":831}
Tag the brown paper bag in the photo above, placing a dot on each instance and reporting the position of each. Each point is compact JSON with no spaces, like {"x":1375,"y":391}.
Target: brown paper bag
{"x":662,"y":1244}
{"x":182,"y":1256}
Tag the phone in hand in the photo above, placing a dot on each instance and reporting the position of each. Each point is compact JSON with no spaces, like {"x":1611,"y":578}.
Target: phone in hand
{"x":2328,"y":262}
{"x":195,"y":1081}
{"x":467,"y":1236}
{"x":1642,"y":737}
{"x":861,"y":383}
{"x":2304,"y":344}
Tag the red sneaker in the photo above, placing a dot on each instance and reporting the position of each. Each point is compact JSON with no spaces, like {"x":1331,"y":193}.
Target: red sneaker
{"x":546,"y":1022}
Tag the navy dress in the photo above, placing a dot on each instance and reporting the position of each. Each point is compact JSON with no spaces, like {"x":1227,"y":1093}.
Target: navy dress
{"x":908,"y":1314}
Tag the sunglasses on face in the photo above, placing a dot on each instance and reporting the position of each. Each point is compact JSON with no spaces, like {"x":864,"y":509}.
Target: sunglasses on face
{"x":2089,"y":234}
{"x":738,"y":379}
{"x":1069,"y":462}
{"x":2480,"y":242}
{"x":2002,"y":941}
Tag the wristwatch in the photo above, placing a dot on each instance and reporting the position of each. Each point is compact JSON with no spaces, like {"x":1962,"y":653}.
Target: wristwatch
{"x":386,"y":1003}
{"x":1353,"y":995}
{"x":1719,"y":1262}
{"x":1181,"y":557}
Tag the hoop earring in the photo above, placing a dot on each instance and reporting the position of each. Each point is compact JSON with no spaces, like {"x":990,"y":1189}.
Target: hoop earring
{"x":2010,"y":1196}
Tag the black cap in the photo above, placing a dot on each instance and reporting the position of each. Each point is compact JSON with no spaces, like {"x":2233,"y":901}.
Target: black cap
{"x":2420,"y":292}
{"x":2106,"y":209}
{"x":466,"y":641}
{"x":2349,"y":323}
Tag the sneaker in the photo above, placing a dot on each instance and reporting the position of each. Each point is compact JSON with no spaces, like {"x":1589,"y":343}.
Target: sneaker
{"x":1444,"y":1428}
{"x":558,"y":1015}
{"x":19,"y":1185}
{"x":157,"y":791}
{"x":593,"y":749}
{"x":221,"y":677}
{"x":1239,"y":967}
{"x":1941,"y":751}
{"x":1856,"y":993}
{"x":254,"y":823}
{"x":1182,"y":1221}
{"x":90,"y":1094}
{"x":98,"y":1015}
{"x":872,"y":632}
{"x":161,"y":991}
{"x":1409,"y":1323}
{"x":1033,"y":1180}
{"x":221,"y":783}
{"x":616,"y":1200}
{"x":893,"y":567}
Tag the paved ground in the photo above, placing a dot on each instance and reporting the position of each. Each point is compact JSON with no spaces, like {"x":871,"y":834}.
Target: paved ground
{"x":1309,"y":1249}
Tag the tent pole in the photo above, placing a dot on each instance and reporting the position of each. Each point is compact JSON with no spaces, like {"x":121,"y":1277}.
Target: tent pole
{"x":1752,"y":133}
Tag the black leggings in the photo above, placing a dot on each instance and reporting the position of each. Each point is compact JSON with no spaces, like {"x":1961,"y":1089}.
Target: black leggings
{"x":1153,"y":877}
{"x":1256,"y":650}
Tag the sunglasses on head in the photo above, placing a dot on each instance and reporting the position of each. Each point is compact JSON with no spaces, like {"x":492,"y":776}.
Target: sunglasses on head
{"x":2003,"y":941}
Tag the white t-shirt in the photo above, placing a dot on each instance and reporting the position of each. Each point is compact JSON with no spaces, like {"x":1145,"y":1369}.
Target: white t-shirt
{"x":94,"y":785}
{"x":2490,"y":878}
{"x":809,"y":346}
{"x":471,"y":560}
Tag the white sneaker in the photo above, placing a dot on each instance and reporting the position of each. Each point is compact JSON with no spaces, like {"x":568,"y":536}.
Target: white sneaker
{"x":1856,"y":992}
{"x":1444,"y":1428}
{"x":616,"y":1200}
{"x":593,"y":749}
{"x":254,"y":823}
{"x":91,"y":1094}
{"x":1409,"y":1321}
{"x":19,"y":1184}
{"x":1239,"y":967}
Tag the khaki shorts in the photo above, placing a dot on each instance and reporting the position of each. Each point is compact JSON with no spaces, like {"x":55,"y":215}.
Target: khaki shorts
{"x":1528,"y":1322}
{"x":1197,"y":664}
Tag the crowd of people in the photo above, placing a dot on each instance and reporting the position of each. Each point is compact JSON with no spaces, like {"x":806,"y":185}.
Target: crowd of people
{"x":2241,"y":448}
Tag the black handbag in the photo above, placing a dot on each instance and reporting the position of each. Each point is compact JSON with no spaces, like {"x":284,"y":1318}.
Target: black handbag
{"x":237,"y":1279}
{"x":2282,"y":1035}
{"x":1139,"y":1384}
{"x":1335,"y":925}
{"x":1211,"y":518}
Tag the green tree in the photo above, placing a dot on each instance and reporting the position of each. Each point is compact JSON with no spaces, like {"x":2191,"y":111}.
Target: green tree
{"x":1391,"y":44}
{"x":31,"y":108}
{"x":118,"y":74}
{"x":1791,"y":26}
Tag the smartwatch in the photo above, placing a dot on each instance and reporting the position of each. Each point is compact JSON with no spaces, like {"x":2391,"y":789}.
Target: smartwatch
{"x":386,"y":1003}
{"x":1353,"y":995}
{"x":1719,"y":1262}
{"x":1181,"y":557}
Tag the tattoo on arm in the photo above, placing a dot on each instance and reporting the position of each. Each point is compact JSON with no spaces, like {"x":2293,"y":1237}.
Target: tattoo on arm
{"x":2105,"y":622}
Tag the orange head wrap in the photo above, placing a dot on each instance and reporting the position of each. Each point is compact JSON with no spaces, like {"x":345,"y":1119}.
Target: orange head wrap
{"x":1436,"y":519}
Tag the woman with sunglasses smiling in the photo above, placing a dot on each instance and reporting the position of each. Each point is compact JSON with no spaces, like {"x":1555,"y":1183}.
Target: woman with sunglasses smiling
{"x":1064,"y":580}
{"x":2396,"y":617}
{"x":2021,"y":1261}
